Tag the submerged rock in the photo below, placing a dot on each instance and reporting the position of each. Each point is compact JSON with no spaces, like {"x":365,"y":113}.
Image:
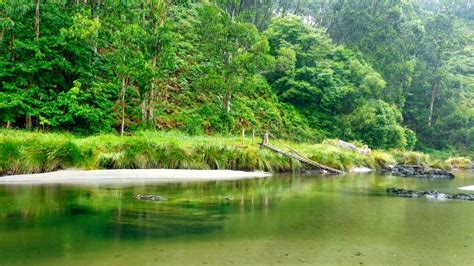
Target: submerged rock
{"x":418,"y":171}
{"x":463,"y":196}
{"x":429,"y":194}
{"x":150,"y":197}
{"x":436,"y":195}
{"x":403,"y":192}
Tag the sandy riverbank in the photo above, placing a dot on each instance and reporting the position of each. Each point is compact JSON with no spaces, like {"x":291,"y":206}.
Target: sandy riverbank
{"x":129,"y":176}
{"x":467,"y":188}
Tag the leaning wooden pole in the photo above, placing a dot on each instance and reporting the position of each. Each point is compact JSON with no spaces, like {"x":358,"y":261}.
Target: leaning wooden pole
{"x":302,"y":159}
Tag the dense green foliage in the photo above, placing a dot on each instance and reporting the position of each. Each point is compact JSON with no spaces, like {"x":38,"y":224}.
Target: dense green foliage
{"x":392,"y":74}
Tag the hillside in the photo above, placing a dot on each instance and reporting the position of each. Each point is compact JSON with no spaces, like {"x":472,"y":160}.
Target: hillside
{"x":392,"y":74}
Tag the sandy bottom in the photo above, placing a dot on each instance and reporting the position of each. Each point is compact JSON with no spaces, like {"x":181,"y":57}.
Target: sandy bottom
{"x":129,"y":176}
{"x":468,"y":188}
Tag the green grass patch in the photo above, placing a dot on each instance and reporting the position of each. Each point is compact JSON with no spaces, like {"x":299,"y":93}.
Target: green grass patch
{"x":24,"y":152}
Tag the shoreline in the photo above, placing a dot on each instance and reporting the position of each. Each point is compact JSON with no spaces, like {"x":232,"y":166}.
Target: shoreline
{"x":120,"y":176}
{"x":467,"y":188}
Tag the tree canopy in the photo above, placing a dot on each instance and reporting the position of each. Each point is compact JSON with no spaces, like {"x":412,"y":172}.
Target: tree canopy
{"x":392,"y":74}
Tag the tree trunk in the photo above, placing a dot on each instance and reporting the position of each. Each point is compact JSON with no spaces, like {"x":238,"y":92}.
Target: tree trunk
{"x":253,"y":136}
{"x":322,"y":13}
{"x":144,"y":109}
{"x":256,"y":12}
{"x":122,"y":126}
{"x":297,"y":8}
{"x":12,"y":48}
{"x":151,"y":104}
{"x":226,"y":100}
{"x":37,"y":21}
{"x":434,"y":92}
{"x":92,"y":4}
{"x":28,"y":123}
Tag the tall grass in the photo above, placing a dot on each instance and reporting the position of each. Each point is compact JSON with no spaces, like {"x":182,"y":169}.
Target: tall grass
{"x":24,"y":152}
{"x":460,"y":163}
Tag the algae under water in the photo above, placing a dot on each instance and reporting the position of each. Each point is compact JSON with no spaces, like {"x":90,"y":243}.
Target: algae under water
{"x":299,"y":219}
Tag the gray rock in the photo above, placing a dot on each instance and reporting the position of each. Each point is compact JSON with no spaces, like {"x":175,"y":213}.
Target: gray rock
{"x":429,"y":194}
{"x":349,"y":146}
{"x":150,"y":197}
{"x":418,"y":171}
{"x":463,"y":196}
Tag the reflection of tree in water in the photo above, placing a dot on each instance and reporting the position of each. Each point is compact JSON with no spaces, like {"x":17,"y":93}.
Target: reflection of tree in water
{"x":112,"y":212}
{"x":159,"y":223}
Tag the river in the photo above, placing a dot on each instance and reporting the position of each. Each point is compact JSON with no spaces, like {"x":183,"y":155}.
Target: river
{"x":299,"y":219}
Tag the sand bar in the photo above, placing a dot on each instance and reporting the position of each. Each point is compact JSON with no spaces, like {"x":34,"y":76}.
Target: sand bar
{"x":129,"y":176}
{"x":468,"y":188}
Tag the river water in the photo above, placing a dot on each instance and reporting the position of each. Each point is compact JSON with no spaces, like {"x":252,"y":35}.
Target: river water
{"x":283,"y":219}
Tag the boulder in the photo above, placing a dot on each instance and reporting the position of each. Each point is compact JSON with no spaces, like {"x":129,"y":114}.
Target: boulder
{"x":418,"y":171}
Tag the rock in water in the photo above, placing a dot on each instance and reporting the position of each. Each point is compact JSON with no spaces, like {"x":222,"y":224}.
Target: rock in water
{"x":429,"y":194}
{"x":403,"y":192}
{"x":150,"y":197}
{"x":436,"y":195}
{"x":419,"y":171}
{"x":462,"y":196}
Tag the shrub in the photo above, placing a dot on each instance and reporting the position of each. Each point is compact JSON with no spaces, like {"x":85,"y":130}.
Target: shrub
{"x":460,"y":163}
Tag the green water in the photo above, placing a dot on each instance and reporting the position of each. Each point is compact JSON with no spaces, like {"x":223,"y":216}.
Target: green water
{"x":283,"y":219}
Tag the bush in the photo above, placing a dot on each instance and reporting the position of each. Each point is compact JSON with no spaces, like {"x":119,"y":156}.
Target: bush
{"x":460,"y":163}
{"x":378,"y":124}
{"x":412,"y":158}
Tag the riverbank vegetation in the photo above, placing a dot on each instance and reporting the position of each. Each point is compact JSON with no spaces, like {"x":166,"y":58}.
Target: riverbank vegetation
{"x":27,"y":152}
{"x":391,"y":74}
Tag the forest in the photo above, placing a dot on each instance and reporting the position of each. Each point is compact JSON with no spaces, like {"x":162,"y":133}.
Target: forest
{"x":388,"y":73}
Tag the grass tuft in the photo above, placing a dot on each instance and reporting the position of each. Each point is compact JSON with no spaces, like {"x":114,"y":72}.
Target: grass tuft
{"x":460,"y":163}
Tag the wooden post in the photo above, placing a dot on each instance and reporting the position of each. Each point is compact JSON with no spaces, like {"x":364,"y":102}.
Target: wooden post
{"x":253,"y":136}
{"x":243,"y":137}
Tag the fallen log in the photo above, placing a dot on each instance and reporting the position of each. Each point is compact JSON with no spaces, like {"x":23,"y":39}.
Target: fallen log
{"x":302,"y":159}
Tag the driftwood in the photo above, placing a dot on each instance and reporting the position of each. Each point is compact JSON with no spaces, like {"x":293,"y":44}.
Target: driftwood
{"x":298,"y":156}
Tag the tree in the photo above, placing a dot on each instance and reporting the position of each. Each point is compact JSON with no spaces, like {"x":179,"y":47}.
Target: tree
{"x":319,"y":78}
{"x":379,"y":125}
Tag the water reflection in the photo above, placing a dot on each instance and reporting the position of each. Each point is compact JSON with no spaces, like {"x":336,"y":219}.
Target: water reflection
{"x":58,"y":220}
